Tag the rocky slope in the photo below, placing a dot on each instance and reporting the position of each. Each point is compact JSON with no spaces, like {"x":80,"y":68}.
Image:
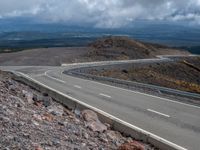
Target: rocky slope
{"x":125,"y":48}
{"x":30,"y":120}
{"x":183,"y":74}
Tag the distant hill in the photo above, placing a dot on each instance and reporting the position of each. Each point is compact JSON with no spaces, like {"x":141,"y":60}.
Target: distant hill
{"x":127,"y":48}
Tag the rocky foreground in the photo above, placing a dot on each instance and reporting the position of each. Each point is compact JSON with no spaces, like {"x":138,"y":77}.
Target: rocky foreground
{"x":34,"y":121}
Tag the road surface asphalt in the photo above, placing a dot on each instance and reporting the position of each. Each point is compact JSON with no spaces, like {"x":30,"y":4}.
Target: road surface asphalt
{"x":172,"y":120}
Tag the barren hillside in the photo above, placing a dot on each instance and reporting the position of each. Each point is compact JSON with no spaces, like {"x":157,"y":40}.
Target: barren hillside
{"x":125,"y":48}
{"x":112,"y":48}
{"x":182,"y":75}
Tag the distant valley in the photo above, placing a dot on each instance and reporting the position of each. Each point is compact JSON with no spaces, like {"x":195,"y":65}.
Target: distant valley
{"x":19,"y":37}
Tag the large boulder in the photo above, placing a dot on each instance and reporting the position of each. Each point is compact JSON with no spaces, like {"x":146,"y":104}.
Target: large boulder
{"x":96,"y":126}
{"x":92,"y":121}
{"x":89,"y":115}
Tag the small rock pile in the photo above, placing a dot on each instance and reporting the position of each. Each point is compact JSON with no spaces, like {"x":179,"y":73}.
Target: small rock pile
{"x":30,"y":120}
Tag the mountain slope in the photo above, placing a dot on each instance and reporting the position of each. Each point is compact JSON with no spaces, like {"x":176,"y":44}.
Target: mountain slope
{"x":126,"y":48}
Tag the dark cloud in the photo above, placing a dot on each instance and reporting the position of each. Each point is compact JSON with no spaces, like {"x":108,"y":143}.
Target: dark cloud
{"x":102,"y":13}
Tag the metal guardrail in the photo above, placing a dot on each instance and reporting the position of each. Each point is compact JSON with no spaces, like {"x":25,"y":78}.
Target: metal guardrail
{"x":132,"y":83}
{"x":78,"y":71}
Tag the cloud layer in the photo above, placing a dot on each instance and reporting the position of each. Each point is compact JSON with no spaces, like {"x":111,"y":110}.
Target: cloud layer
{"x":102,"y":13}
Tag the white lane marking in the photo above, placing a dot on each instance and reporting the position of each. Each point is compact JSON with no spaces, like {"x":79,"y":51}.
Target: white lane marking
{"x":153,"y":96}
{"x":46,"y":74}
{"x":158,"y":113}
{"x":105,"y":95}
{"x":149,"y":134}
{"x":38,"y":75}
{"x":77,"y":86}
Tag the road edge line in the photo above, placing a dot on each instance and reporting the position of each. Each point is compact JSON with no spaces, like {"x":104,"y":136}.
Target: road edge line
{"x":117,"y":123}
{"x":136,"y":92}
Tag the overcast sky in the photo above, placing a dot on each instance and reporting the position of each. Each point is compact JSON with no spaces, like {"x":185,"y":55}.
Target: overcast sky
{"x":102,"y":13}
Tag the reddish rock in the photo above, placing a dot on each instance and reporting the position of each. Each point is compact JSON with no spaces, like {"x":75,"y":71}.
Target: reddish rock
{"x":89,"y":115}
{"x":113,"y":135}
{"x":96,"y":126}
{"x":47,"y":117}
{"x":37,"y":117}
{"x":39,"y":104}
{"x":134,"y":145}
{"x":93,"y":122}
{"x":38,"y":148}
{"x":68,"y":112}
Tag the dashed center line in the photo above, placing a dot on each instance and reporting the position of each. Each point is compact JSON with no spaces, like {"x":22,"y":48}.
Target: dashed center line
{"x":158,"y":113}
{"x":46,"y":74}
{"x":77,"y":86}
{"x":56,"y":79}
{"x":104,"y":95}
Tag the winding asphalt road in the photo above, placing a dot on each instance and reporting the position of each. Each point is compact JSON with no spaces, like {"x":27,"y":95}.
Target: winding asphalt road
{"x":174,"y":121}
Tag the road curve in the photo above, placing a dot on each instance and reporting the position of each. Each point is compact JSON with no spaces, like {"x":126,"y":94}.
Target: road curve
{"x":174,"y":121}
